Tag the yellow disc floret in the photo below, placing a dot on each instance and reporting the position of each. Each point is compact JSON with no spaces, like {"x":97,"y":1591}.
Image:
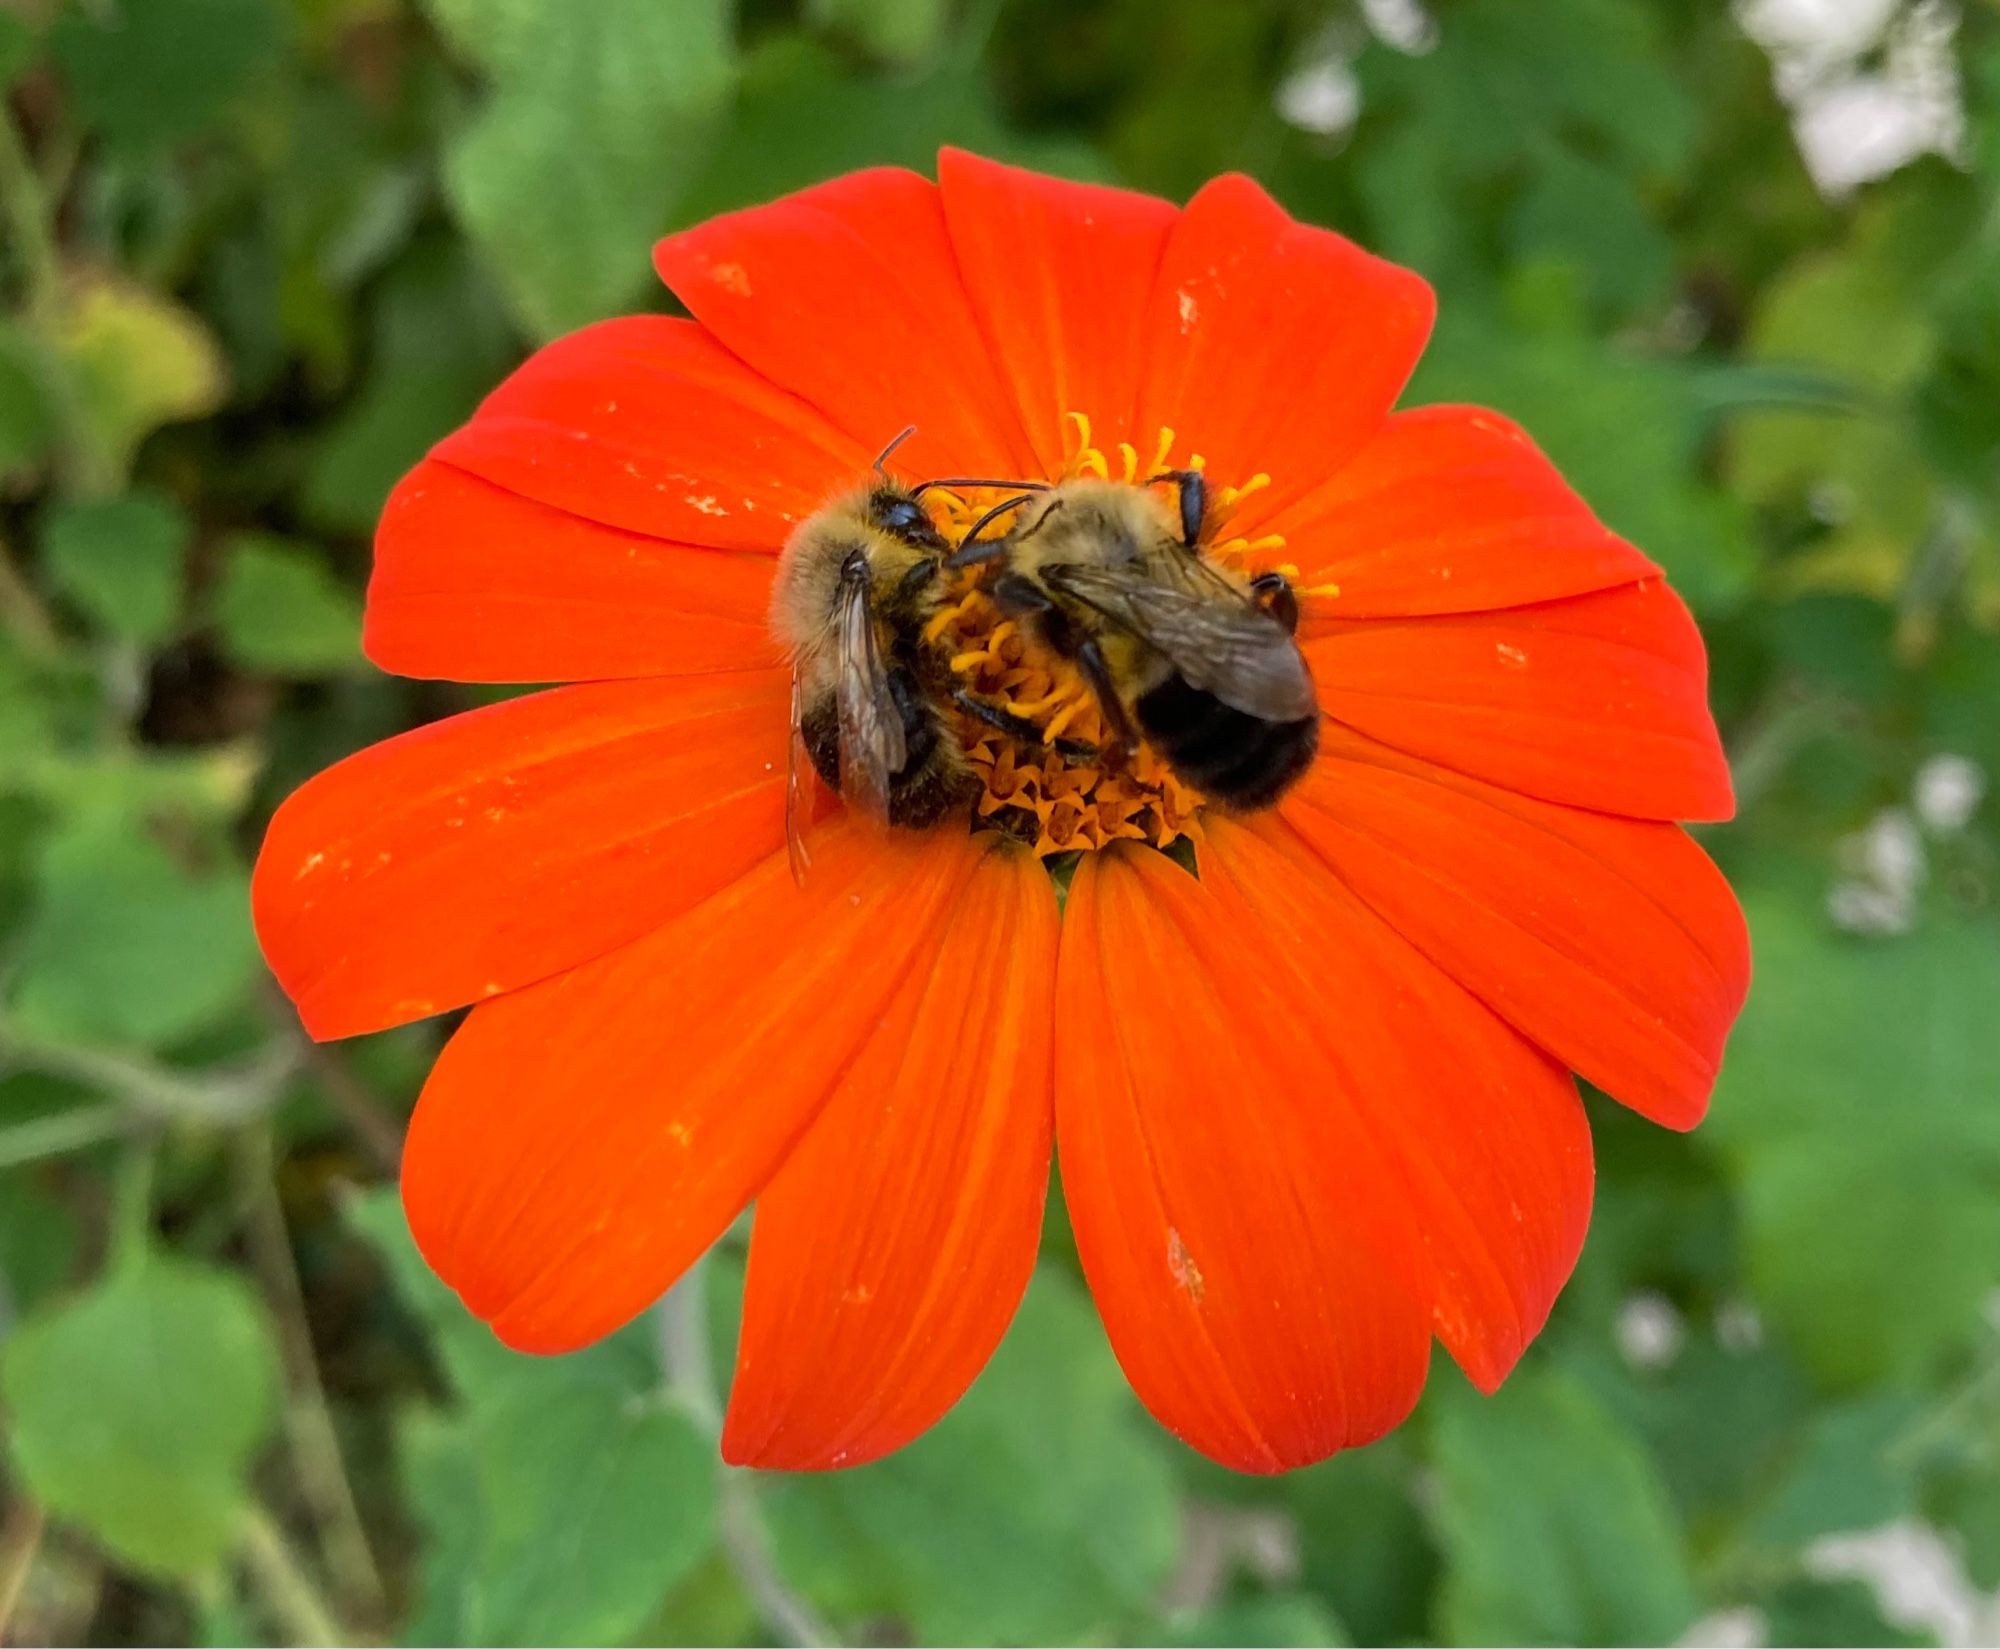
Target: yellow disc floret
{"x":1071,"y":788}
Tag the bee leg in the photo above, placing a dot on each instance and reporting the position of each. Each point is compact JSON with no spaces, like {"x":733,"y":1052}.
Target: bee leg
{"x":1275,"y":595}
{"x":1019,"y":727}
{"x":917,"y":577}
{"x":971,"y":551}
{"x":995,"y":715}
{"x":1090,"y":660}
{"x":1193,"y":488}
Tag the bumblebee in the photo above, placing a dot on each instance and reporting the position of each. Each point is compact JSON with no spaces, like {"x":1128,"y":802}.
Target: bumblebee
{"x":856,"y":586}
{"x":1175,"y":649}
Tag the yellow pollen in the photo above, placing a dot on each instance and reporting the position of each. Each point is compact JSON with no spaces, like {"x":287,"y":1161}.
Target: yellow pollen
{"x":1070,"y":787}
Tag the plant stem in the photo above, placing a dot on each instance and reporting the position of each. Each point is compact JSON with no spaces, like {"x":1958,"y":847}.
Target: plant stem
{"x":20,"y":1542}
{"x":227,"y":1095}
{"x":309,"y":1424}
{"x":282,"y":1580}
{"x":23,"y":614}
{"x":86,"y":469}
{"x":132,"y":1204}
{"x":65,"y":1131}
{"x":30,"y":227}
{"x":684,"y":1348}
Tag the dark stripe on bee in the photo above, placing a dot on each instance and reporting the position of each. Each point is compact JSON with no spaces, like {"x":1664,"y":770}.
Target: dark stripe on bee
{"x":1239,"y":760}
{"x":925,"y":790}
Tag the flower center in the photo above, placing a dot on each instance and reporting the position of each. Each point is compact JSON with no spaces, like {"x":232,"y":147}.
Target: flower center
{"x":1053,"y":771}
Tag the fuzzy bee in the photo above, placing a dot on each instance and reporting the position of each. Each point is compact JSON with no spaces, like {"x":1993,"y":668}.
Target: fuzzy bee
{"x":1202,"y":664}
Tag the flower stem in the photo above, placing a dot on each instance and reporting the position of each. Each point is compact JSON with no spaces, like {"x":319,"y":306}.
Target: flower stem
{"x":20,"y":1544}
{"x":86,"y":469}
{"x":132,"y":1205}
{"x":315,"y":1444}
{"x":23,"y":614}
{"x":282,"y":1580}
{"x":64,"y":1131}
{"x":690,"y":1367}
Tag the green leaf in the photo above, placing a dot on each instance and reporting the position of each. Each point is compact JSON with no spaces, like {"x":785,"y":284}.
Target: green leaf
{"x":1555,"y":1526}
{"x":563,"y":1514}
{"x":280,"y":610}
{"x":27,"y":425}
{"x":594,"y":1505}
{"x":137,"y":1408}
{"x":139,"y":361}
{"x":597,"y":118}
{"x":1847,"y":1473}
{"x":1275,"y":1618}
{"x":40,"y":1239}
{"x":1855,"y":1111}
{"x":1038,"y":1510}
{"x":121,"y":561}
{"x":1363,"y":1546}
{"x":437,"y":344}
{"x":1510,"y":77}
{"x":439,"y":1476}
{"x":124,"y":946}
{"x":1968,"y":1503}
{"x":799,"y":118}
{"x":17,"y":46}
{"x":148,"y":73}
{"x":896,"y":31}
{"x":1831,"y":1612}
{"x":1591,"y":218}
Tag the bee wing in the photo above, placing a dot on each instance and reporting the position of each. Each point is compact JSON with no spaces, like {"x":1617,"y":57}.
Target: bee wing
{"x":1220,"y":642}
{"x":870,"y":725}
{"x":800,"y":780}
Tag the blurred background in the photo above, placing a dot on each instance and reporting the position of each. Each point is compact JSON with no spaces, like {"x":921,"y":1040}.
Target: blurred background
{"x":1737,"y":268}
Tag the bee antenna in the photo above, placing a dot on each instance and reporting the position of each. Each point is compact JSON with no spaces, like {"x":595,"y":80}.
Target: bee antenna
{"x":970,"y":551}
{"x":882,"y":457}
{"x":975,"y":481}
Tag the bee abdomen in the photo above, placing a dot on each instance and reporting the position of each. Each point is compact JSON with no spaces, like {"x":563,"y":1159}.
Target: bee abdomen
{"x":1236,"y":759}
{"x":934,"y":779}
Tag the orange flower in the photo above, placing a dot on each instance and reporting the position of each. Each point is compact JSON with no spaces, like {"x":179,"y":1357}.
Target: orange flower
{"x":1314,"y":1104}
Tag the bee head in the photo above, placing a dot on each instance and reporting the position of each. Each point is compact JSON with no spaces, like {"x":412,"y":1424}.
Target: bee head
{"x":903,"y":517}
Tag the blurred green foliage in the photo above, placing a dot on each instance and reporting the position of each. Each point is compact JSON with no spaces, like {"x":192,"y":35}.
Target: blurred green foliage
{"x":258,"y":254}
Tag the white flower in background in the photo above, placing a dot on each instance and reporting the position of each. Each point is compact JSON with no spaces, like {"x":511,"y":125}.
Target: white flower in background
{"x":1322,"y":97}
{"x":1885,"y":869}
{"x":1404,"y":24}
{"x":1853,"y":123}
{"x":1947,"y":792}
{"x":1649,"y":1330}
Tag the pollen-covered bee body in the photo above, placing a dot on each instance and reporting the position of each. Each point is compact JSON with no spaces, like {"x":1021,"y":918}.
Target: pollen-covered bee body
{"x":1198,"y":660}
{"x":856,"y":586}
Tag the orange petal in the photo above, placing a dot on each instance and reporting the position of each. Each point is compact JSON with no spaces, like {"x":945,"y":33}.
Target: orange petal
{"x":1614,"y":943}
{"x":476,"y":583}
{"x":579,"y":1144}
{"x":649,"y":424}
{"x":1480,"y":1137}
{"x":1448,"y":510}
{"x":1059,"y":274}
{"x":1218,"y":1211}
{"x":487,"y":851}
{"x":1600,"y":701}
{"x":1275,"y":346}
{"x":890,"y":1251}
{"x":848,"y":294}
